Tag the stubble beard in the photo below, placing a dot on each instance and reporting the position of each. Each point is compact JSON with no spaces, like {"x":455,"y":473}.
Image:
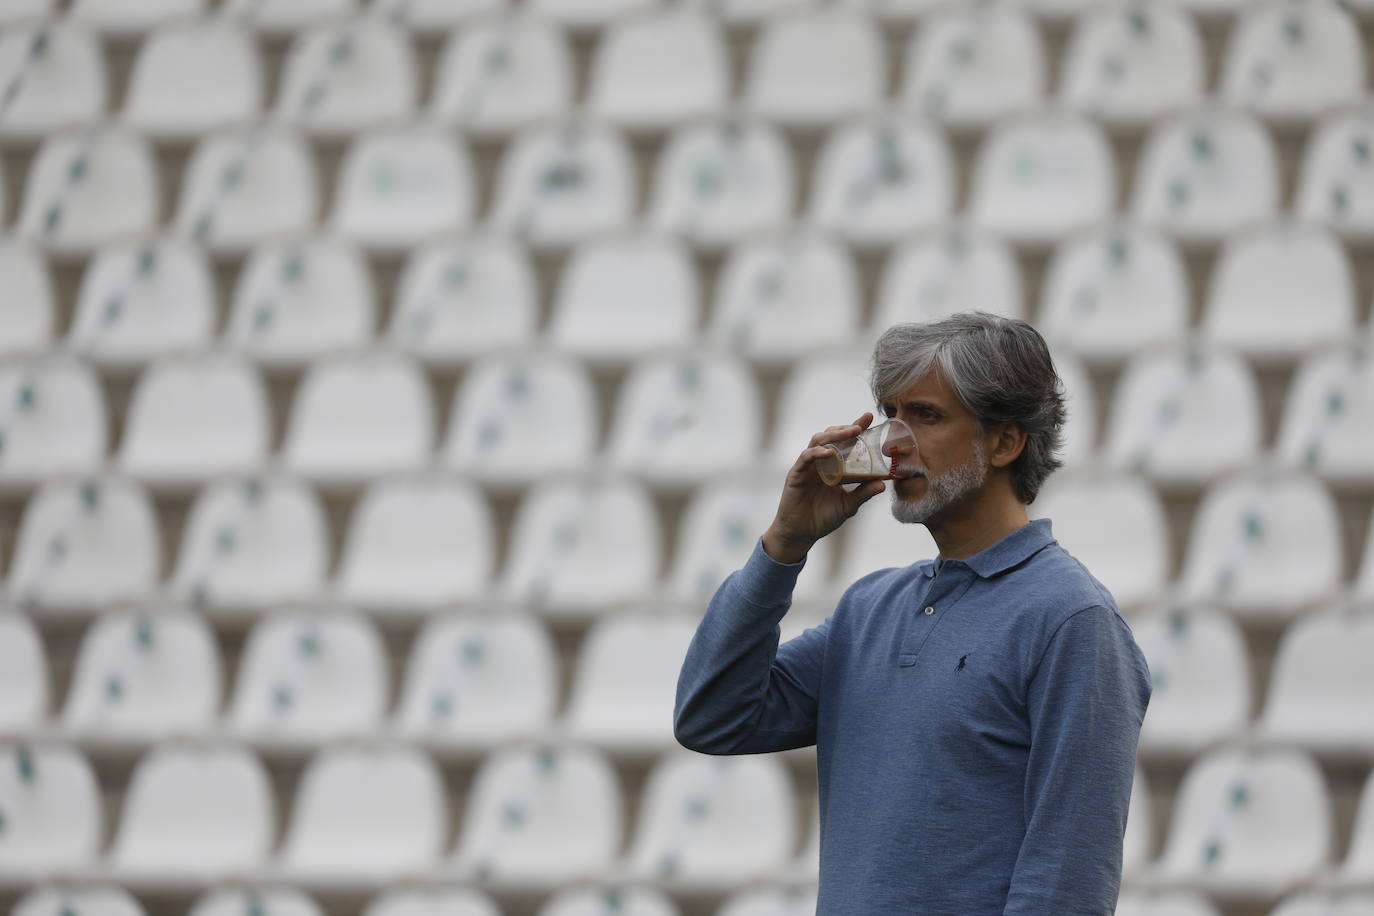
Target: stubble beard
{"x":943,"y":491}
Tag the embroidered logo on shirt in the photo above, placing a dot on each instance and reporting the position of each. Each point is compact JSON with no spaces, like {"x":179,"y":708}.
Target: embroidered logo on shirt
{"x":962,"y":660}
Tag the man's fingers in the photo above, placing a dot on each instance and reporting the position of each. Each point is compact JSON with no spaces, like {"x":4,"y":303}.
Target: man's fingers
{"x":864,"y":493}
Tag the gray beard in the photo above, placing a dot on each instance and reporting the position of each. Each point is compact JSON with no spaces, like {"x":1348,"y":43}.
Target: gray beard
{"x":943,"y":491}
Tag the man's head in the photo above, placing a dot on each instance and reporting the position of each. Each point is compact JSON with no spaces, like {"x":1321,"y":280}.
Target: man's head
{"x":984,"y":400}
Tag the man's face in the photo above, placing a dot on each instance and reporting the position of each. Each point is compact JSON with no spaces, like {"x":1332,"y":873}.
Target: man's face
{"x":950,"y":456}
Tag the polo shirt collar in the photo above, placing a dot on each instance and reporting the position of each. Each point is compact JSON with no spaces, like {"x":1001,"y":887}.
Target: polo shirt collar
{"x":1012,"y":550}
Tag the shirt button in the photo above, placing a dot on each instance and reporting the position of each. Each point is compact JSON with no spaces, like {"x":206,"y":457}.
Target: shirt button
{"x":929,"y":611}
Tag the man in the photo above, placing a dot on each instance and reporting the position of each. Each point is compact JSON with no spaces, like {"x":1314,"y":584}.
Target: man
{"x":976,"y":715}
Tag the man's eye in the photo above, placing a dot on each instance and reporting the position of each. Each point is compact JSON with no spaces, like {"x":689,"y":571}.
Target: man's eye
{"x":889,"y":412}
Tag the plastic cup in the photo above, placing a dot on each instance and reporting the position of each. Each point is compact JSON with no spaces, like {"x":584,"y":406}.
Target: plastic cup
{"x":877,"y":453}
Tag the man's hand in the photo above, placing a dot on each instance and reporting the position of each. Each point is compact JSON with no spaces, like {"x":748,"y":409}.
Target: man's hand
{"x":809,"y":509}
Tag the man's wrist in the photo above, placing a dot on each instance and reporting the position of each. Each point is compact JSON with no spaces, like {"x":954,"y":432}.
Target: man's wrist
{"x":787,"y":551}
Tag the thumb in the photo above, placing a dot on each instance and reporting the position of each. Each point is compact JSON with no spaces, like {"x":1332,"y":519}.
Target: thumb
{"x":864,"y":493}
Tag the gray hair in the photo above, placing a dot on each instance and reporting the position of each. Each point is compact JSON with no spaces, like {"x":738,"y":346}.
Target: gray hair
{"x":999,"y":368}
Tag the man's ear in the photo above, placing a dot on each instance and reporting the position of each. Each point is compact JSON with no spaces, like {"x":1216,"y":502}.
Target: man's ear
{"x":1008,"y":442}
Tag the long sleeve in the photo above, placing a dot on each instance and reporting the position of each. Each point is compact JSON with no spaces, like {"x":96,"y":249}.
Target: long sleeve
{"x":739,"y":692}
{"x":1086,"y":701}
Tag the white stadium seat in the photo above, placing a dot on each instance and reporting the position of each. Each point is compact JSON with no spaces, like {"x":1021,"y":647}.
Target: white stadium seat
{"x":144,"y":300}
{"x":1292,"y":60}
{"x":53,"y":812}
{"x":954,"y":271}
{"x":24,"y":676}
{"x":655,"y":72}
{"x":1264,"y":544}
{"x":1184,"y":415}
{"x":400,"y":187}
{"x":479,"y":680}
{"x":287,"y":16}
{"x":1136,"y":844}
{"x":416,"y":543}
{"x":90,"y":188}
{"x":540,"y":816}
{"x":562,"y":184}
{"x":1357,"y":868}
{"x":194,"y":812}
{"x":251,"y":544}
{"x":1328,"y":420}
{"x":194,"y":77}
{"x":53,"y":420}
{"x":972,"y":65}
{"x":365,"y":814}
{"x":349,"y":76}
{"x":1132,"y":65}
{"x":1364,"y":583}
{"x":582,"y":545}
{"x":682,"y":418}
{"x":879,"y":179}
{"x":719,"y":183}
{"x":750,"y":12}
{"x":599,"y":901}
{"x":458,"y":299}
{"x":307,"y":678}
{"x":625,"y":683}
{"x":279,"y":901}
{"x":522,"y":417}
{"x":592,"y":14}
{"x":301,"y":300}
{"x":895,"y":11}
{"x":785,"y":298}
{"x":1080,"y":405}
{"x":133,"y":16}
{"x":503,"y":75}
{"x":27,"y":314}
{"x":1200,"y":669}
{"x":1111,"y":292}
{"x":144,"y":676}
{"x":54,"y":78}
{"x":435,"y":15}
{"x":1336,"y":183}
{"x":813,"y":68}
{"x":456,"y":901}
{"x":771,"y":901}
{"x":624,"y":297}
{"x":1326,"y":903}
{"x":1164,"y":903}
{"x":19,"y":11}
{"x":85,"y":545}
{"x":247,"y":187}
{"x":828,"y":390}
{"x":91,"y":900}
{"x":194,"y":418}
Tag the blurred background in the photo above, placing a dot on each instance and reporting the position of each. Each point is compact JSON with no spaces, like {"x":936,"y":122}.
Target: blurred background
{"x":385,"y":387}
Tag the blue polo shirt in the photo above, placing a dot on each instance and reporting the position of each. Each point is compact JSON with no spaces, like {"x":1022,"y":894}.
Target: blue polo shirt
{"x":975,"y":723}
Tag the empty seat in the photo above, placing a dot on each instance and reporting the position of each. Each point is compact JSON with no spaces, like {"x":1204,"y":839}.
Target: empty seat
{"x":402,"y":186}
{"x":503,"y":75}
{"x":785,"y":298}
{"x":682,"y":418}
{"x":415,"y":544}
{"x":626,"y":681}
{"x":54,"y":77}
{"x":52,"y":812}
{"x":1040,"y":177}
{"x":523,"y":417}
{"x":310,"y":678}
{"x":97,"y":900}
{"x":1363,"y":590}
{"x":1328,"y":419}
{"x":1133,"y":65}
{"x":250,"y":544}
{"x":430,"y":902}
{"x":133,"y":16}
{"x":52,"y":420}
{"x":1164,"y":903}
{"x":1264,"y":544}
{"x":18,"y":11}
{"x":1358,"y":866}
{"x":540,"y":816}
{"x":714,"y":821}
{"x":720,"y":183}
{"x":1248,"y":825}
{"x":1184,"y":415}
{"x":1205,"y":175}
{"x":194,"y":418}
{"x":348,"y":76}
{"x":365,"y":814}
{"x":582,"y":545}
{"x":562,"y":184}
{"x":460,"y":299}
{"x":1080,"y":405}
{"x":194,"y":77}
{"x":1326,"y":903}
{"x":144,"y":676}
{"x":656,"y":72}
{"x":1319,"y":691}
{"x":874,"y":540}
{"x":624,"y":297}
{"x":27,"y":312}
{"x":1115,"y":524}
{"x":247,"y":187}
{"x":813,"y":68}
{"x":24,"y":687}
{"x":882,"y":178}
{"x":1335,"y":183}
{"x":830,"y":390}
{"x":84,"y":545}
{"x":195,"y":812}
{"x":301,"y":300}
{"x":138,"y":302}
{"x":1200,"y":669}
{"x":974,"y":65}
{"x":287,"y":16}
{"x":435,"y":15}
{"x":584,"y":14}
{"x":90,"y":188}
{"x":955,"y":271}
{"x":1109,"y":293}
{"x":1278,"y":293}
{"x":479,"y":680}
{"x":359,"y":417}
{"x":279,"y":901}
{"x":1135,"y":846}
{"x":1294,"y":59}
{"x":771,"y":901}
{"x":750,"y":12}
